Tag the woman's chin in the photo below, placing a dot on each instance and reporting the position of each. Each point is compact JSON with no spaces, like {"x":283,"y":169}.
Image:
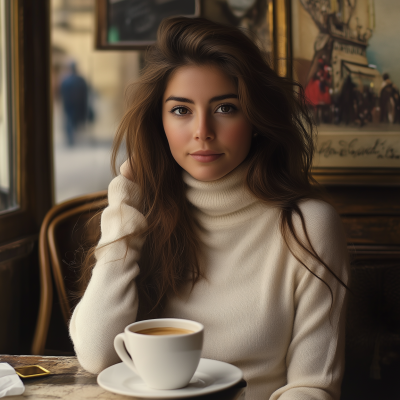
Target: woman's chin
{"x":207,"y":174}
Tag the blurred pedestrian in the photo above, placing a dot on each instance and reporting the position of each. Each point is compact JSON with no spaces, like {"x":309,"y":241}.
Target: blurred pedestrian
{"x":75,"y":98}
{"x":317,"y":90}
{"x":386,"y":100}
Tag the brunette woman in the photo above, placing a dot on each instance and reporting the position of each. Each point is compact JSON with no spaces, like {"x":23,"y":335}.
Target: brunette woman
{"x":217,"y":219}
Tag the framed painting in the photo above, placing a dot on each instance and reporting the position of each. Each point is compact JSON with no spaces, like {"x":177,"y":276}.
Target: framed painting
{"x":266,"y":21}
{"x":133,"y":24}
{"x":346,"y":55}
{"x":253,"y":16}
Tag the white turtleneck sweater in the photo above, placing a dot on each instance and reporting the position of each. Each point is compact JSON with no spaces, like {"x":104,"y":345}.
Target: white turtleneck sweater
{"x":262,"y":310}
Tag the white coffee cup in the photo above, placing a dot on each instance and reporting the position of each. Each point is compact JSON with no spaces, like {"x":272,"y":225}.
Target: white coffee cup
{"x":163,"y":361}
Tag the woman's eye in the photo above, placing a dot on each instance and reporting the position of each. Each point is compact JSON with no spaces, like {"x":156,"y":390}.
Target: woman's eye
{"x":226,"y":109}
{"x":180,"y":111}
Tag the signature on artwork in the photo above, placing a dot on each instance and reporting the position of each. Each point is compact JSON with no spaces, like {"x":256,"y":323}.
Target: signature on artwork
{"x":344,"y":148}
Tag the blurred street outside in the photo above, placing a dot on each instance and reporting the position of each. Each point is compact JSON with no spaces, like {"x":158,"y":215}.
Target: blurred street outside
{"x":83,"y":168}
{"x":88,"y":108}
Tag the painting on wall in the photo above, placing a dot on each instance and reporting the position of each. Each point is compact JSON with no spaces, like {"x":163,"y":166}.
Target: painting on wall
{"x":253,"y":16}
{"x":346,"y":54}
{"x":133,"y":24}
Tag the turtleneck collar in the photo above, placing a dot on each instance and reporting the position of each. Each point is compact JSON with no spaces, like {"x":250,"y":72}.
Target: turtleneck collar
{"x":225,"y":200}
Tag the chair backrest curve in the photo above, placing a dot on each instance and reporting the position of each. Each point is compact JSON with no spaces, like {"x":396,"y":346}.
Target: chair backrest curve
{"x":45,"y":267}
{"x":55,"y":252}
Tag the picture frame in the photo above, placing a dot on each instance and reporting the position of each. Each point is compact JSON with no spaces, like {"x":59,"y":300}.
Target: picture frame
{"x":255,"y":17}
{"x":133,"y":24}
{"x":340,"y":51}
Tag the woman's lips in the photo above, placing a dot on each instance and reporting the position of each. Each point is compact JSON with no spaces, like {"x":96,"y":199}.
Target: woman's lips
{"x":206,"y":157}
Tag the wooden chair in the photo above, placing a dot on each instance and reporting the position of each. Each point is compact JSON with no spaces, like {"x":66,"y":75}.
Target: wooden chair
{"x":68,"y":229}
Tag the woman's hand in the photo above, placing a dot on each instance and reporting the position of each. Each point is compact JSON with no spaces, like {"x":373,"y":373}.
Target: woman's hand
{"x":126,"y":170}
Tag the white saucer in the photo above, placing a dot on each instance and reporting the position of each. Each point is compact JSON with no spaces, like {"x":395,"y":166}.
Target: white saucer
{"x":210,"y":376}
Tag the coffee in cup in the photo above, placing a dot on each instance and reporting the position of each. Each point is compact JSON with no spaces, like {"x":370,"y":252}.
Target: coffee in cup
{"x":164,"y":352}
{"x":165,"y":330}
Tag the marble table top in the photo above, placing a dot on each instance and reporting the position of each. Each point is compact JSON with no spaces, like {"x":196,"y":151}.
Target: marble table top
{"x":68,"y":380}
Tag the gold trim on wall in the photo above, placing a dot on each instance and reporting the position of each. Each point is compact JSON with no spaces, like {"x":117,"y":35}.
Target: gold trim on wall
{"x":280,"y":32}
{"x":281,"y":40}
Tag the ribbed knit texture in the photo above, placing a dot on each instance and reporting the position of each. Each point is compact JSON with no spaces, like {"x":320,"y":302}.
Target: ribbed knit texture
{"x":262,"y":310}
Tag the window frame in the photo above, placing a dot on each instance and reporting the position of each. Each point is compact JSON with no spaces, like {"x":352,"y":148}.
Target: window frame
{"x":30,"y":110}
{"x":11,"y":100}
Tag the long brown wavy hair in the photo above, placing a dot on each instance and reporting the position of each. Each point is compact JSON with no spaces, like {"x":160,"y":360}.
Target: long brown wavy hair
{"x":278,"y":164}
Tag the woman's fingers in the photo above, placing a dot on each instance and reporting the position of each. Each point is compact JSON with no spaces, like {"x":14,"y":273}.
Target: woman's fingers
{"x":126,"y":170}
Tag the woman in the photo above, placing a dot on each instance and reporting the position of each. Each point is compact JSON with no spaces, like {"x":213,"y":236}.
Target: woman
{"x":216,"y":218}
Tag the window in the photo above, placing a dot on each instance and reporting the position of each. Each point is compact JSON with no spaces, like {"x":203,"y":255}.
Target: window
{"x":88,"y":88}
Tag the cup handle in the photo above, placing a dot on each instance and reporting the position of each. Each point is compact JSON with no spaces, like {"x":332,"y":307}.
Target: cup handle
{"x":121,"y":351}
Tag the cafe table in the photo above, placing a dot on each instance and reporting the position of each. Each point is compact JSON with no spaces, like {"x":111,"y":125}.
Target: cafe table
{"x":68,"y":380}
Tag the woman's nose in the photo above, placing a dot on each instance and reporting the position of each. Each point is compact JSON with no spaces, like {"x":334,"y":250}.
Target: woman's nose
{"x":203,"y":129}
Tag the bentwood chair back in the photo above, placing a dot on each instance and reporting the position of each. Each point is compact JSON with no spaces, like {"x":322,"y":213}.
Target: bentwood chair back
{"x":68,"y":230}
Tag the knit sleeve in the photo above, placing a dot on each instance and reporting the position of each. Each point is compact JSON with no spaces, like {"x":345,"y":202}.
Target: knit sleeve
{"x":110,"y":301}
{"x":315,"y":356}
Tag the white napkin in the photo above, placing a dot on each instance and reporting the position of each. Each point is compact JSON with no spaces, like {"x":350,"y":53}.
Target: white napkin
{"x":10,"y":382}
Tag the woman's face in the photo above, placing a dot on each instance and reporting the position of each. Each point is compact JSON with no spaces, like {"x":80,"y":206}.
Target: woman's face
{"x":207,"y":132}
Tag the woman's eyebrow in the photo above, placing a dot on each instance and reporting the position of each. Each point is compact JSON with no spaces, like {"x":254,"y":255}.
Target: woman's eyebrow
{"x":181,"y":99}
{"x":216,"y":98}
{"x":224,"y":96}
